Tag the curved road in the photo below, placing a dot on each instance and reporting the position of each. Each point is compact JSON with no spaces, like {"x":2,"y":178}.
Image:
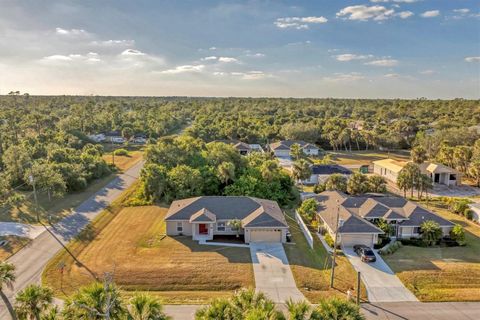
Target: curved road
{"x":31,"y":260}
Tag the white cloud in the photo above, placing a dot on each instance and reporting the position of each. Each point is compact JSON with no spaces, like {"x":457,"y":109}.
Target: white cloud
{"x":405,"y":14}
{"x":383,"y":63}
{"x":427,"y":72}
{"x":400,"y":1}
{"x":391,"y":75}
{"x":255,"y":55}
{"x":71,"y":32}
{"x":462,"y":11}
{"x":351,"y":56}
{"x":472,"y":59}
{"x":59,"y":58}
{"x":132,"y":52}
{"x":299,"y":22}
{"x":184,"y":69}
{"x":364,"y":13}
{"x":212,"y":48}
{"x":345,"y":77}
{"x":113,"y":43}
{"x":227,"y":59}
{"x":430,"y":14}
{"x":209,"y":58}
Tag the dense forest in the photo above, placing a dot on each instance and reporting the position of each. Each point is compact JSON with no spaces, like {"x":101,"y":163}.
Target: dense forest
{"x":47,"y":137}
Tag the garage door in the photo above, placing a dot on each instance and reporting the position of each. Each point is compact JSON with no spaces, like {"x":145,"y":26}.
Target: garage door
{"x":265,"y":235}
{"x":349,"y":240}
{"x":282,"y":153}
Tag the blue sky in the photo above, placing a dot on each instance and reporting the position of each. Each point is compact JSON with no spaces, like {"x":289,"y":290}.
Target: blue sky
{"x":322,"y":48}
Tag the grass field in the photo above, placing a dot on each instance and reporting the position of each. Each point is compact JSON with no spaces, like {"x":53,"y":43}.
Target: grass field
{"x":442,"y":274}
{"x":178,"y":269}
{"x":14,"y":244}
{"x":366,"y":157}
{"x":124,"y":162}
{"x":311,"y":268}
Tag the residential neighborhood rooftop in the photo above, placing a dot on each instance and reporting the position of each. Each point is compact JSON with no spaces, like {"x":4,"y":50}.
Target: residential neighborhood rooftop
{"x":329,"y":169}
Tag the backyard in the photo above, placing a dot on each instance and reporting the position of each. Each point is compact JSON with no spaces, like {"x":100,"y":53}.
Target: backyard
{"x":441,"y":273}
{"x":311,"y":267}
{"x":366,"y":157}
{"x":134,"y":247}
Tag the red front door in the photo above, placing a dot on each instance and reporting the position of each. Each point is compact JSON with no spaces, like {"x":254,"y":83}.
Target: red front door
{"x":202,"y":229}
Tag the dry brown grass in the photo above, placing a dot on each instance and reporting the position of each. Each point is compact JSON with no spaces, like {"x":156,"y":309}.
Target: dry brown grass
{"x":365,"y":157}
{"x":14,"y":244}
{"x":124,"y":162}
{"x":311,"y":268}
{"x":440,"y":273}
{"x":133,"y":246}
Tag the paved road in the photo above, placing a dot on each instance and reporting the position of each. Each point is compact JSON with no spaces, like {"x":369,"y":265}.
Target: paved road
{"x":422,"y":311}
{"x":380,"y":281}
{"x":20,"y":229}
{"x":272,"y":272}
{"x":31,"y":260}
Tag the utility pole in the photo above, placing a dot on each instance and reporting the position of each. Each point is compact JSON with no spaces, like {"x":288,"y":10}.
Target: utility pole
{"x":335,"y":246}
{"x":113,"y":151}
{"x":358,"y":287}
{"x":32,"y":181}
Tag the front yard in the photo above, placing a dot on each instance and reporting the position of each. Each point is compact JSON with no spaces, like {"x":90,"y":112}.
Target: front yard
{"x":441,"y":273}
{"x":311,"y":268}
{"x":134,"y":247}
{"x":13,"y":244}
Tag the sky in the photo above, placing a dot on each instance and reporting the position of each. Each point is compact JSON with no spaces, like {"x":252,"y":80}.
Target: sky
{"x":316,"y":48}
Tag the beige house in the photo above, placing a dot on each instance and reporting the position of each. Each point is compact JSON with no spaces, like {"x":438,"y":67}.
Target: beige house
{"x":357,"y":215}
{"x":203,"y":218}
{"x":439,"y":173}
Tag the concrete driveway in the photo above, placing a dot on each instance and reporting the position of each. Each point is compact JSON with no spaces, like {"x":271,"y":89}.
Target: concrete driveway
{"x":272,"y":272}
{"x":381,"y":282}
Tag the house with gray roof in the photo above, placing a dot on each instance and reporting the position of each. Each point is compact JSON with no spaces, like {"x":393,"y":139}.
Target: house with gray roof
{"x":321,"y":173}
{"x":281,"y":149}
{"x":204,"y":217}
{"x":357,"y":215}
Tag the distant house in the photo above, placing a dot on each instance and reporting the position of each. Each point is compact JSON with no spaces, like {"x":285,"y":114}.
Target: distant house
{"x":139,"y":139}
{"x":356,"y":217}
{"x":321,"y":172}
{"x":475,"y":207}
{"x":242,"y":147}
{"x":100,"y":137}
{"x":439,"y":173}
{"x":204,"y":217}
{"x":114,"y":137}
{"x":281,"y":149}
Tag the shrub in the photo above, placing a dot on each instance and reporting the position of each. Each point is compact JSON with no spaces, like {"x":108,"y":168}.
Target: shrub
{"x":468,"y":214}
{"x":458,"y":234}
{"x":120,"y":152}
{"x":413,"y":242}
{"x":431,"y":232}
{"x":319,"y":188}
{"x":328,"y":239}
{"x":308,"y":209}
{"x":335,"y":308}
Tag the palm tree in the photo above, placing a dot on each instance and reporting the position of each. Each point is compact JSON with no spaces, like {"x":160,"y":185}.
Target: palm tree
{"x":301,"y":170}
{"x":95,"y":301}
{"x":219,"y":309}
{"x":7,"y":277}
{"x":296,"y":151}
{"x":431,"y":232}
{"x":247,"y":304}
{"x":226,"y":172}
{"x":336,"y":309}
{"x":418,"y":155}
{"x":33,"y":301}
{"x":145,"y":307}
{"x":297,"y":310}
{"x":235,"y":224}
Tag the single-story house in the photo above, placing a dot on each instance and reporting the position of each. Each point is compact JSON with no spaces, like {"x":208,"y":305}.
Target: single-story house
{"x":114,"y":137}
{"x":139,"y":139}
{"x":439,"y":173}
{"x":282,"y":148}
{"x":242,"y":147}
{"x":204,"y":217}
{"x":321,"y":172}
{"x":358,"y":214}
{"x":475,"y":207}
{"x":99,"y":137}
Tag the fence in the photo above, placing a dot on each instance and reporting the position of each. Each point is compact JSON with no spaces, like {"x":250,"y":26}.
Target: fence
{"x":304,"y":229}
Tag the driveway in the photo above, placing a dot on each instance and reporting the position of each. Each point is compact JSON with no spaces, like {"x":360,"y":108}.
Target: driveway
{"x":381,"y":282}
{"x":285,"y":162}
{"x":31,"y":260}
{"x":272,"y":272}
{"x":20,"y":230}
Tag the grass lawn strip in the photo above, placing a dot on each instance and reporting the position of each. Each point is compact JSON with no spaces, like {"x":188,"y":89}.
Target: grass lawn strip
{"x":365,"y":157}
{"x":311,"y":268}
{"x":134,"y":248}
{"x":14,"y":244}
{"x":441,"y":273}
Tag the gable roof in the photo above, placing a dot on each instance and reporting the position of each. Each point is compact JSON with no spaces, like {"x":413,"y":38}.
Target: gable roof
{"x":391,"y":164}
{"x":253,"y":212}
{"x":239,"y":145}
{"x":439,"y":168}
{"x":354,"y":211}
{"x":287,"y":144}
{"x":329,"y":169}
{"x":203,"y":215}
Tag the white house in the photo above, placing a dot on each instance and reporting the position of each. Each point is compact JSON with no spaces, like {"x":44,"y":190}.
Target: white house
{"x":475,"y":207}
{"x":282,"y":148}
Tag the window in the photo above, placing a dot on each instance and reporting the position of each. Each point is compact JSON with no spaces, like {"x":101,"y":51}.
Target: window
{"x":179,"y":227}
{"x":416,"y":230}
{"x":220,"y":226}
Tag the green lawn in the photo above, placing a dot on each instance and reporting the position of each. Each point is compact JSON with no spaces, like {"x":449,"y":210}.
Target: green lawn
{"x":366,"y":157}
{"x":311,"y":267}
{"x":441,"y":273}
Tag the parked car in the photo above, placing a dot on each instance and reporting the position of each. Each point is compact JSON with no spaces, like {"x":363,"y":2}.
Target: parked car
{"x":365,"y":253}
